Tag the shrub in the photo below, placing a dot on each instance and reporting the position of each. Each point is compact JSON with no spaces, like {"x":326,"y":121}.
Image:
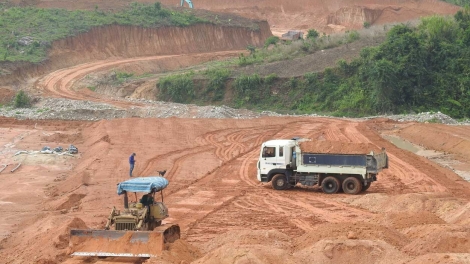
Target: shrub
{"x":271,"y":40}
{"x":366,"y":24}
{"x":270,"y":78}
{"x":312,"y":33}
{"x":216,"y":85}
{"x":21,"y":100}
{"x":177,"y":88}
{"x":352,"y":36}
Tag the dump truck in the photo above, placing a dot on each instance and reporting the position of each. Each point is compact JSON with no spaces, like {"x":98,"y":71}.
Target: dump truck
{"x":292,"y":35}
{"x":136,"y":230}
{"x":284,"y":164}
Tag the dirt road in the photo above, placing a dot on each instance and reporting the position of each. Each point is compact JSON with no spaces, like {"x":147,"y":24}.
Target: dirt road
{"x":213,"y":190}
{"x":60,"y":83}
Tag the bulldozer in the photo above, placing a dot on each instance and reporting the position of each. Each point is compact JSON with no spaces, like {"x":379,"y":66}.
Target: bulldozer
{"x":135,"y":231}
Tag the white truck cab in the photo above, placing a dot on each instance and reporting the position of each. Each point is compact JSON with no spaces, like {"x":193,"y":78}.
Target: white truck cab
{"x":275,"y":154}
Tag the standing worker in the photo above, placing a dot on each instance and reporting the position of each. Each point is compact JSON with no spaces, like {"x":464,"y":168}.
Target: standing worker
{"x":131,"y":163}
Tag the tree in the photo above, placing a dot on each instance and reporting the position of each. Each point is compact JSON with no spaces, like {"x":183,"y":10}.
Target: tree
{"x":21,"y":100}
{"x":312,"y":33}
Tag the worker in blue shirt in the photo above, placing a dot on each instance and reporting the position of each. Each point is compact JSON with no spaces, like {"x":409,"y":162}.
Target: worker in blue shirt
{"x":131,"y":163}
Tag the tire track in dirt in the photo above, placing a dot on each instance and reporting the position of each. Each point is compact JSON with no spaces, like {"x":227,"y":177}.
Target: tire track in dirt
{"x":227,"y":193}
{"x":292,"y":214}
{"x":409,"y":175}
{"x":150,"y":164}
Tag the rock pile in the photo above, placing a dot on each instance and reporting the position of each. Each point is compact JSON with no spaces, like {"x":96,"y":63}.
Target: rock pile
{"x":66,"y":109}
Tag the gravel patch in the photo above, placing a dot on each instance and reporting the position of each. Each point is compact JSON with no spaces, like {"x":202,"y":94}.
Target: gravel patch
{"x":66,"y":109}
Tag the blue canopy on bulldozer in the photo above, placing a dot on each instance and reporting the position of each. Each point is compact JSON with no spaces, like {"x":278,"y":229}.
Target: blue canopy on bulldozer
{"x":143,"y":184}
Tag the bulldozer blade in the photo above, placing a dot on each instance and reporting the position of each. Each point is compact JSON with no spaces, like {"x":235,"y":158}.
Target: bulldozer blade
{"x":109,"y":243}
{"x":108,"y":254}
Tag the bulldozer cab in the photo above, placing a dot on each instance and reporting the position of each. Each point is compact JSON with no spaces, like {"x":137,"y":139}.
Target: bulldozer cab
{"x":137,"y":225}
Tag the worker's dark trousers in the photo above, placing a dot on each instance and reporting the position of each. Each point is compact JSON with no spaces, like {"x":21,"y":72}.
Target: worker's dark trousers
{"x":130,"y":171}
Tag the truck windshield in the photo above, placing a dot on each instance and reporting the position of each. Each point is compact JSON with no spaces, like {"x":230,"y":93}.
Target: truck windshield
{"x":269,"y":152}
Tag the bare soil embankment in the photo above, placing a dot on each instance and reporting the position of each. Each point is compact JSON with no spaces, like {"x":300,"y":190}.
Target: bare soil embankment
{"x":129,"y":41}
{"x":325,"y":16}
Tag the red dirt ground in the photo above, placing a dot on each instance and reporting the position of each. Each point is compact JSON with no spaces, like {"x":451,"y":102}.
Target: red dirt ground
{"x":417,"y":211}
{"x":414,"y":209}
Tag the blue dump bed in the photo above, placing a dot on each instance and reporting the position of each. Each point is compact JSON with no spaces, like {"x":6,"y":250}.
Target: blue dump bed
{"x":372,"y":162}
{"x":334,"y":159}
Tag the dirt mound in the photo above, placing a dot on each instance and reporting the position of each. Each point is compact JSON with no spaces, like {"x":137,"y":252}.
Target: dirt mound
{"x":246,"y":254}
{"x":460,"y":216}
{"x":347,"y":230}
{"x":48,"y":240}
{"x":62,"y":138}
{"x":408,"y":219}
{"x":438,"y":239}
{"x":178,"y":252}
{"x":350,"y":251}
{"x":73,"y":200}
{"x":338,"y":147}
{"x":415,"y":203}
{"x":435,"y":258}
{"x":270,"y":238}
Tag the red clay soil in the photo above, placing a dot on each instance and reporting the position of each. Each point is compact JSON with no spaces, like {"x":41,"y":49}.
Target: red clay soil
{"x":414,"y":209}
{"x":324,"y":16}
{"x":6,"y":95}
{"x":318,"y":146}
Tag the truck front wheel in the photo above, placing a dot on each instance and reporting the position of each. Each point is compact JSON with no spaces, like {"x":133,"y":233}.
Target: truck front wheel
{"x":352,"y":185}
{"x":330,"y":185}
{"x":279,"y":182}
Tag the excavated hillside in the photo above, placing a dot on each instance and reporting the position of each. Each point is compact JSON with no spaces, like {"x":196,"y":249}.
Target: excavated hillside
{"x":129,"y":41}
{"x":326,"y":16}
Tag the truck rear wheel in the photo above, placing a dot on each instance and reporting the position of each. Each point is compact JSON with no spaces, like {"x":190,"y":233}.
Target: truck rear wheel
{"x":279,"y":182}
{"x":352,"y":185}
{"x":330,"y":185}
{"x":365,"y":187}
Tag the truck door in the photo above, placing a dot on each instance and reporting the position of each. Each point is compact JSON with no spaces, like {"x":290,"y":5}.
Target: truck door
{"x":268,"y":160}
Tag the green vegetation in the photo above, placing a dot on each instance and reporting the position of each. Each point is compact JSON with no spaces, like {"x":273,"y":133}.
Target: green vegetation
{"x":177,"y":88}
{"x":21,"y":100}
{"x":312,"y":33}
{"x":121,"y":77}
{"x":458,"y":2}
{"x":26,"y":32}
{"x":273,"y":40}
{"x":426,"y":68}
{"x":215,"y":88}
{"x":290,"y":50}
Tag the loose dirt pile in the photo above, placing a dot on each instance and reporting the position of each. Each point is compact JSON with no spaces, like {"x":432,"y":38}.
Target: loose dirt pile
{"x":351,"y":251}
{"x":338,"y":147}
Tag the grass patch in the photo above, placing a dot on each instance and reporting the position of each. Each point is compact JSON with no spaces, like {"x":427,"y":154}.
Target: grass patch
{"x":27,"y":32}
